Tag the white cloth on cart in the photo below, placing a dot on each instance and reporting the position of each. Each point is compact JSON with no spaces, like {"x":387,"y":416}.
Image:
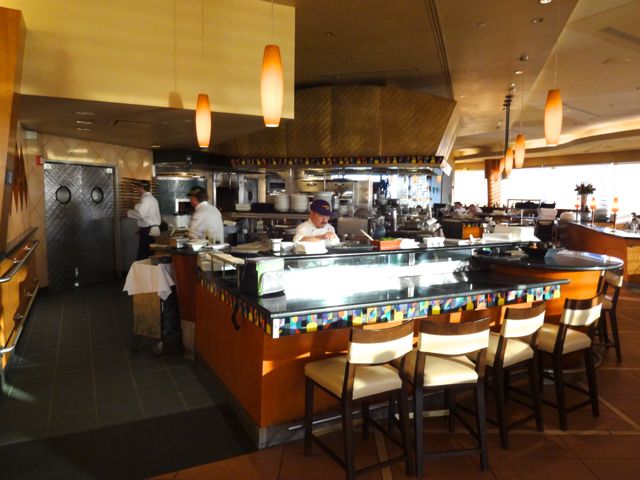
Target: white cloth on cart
{"x":146,"y":278}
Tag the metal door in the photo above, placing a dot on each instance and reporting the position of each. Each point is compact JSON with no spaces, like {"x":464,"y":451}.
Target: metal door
{"x":80,"y":216}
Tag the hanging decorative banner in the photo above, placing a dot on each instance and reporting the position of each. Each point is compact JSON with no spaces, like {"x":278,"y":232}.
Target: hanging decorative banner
{"x":382,"y":161}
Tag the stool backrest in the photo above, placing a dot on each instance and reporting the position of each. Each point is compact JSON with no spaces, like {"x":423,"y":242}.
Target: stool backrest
{"x":373,"y":347}
{"x":522,"y":322}
{"x":613,"y":279}
{"x":452,"y":339}
{"x":581,"y":313}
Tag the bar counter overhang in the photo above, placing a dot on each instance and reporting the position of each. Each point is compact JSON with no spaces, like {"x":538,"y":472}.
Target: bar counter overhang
{"x":258,"y":346}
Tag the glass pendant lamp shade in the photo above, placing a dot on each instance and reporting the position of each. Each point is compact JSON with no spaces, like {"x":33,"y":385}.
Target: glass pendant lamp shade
{"x":203,"y":120}
{"x":272,"y":86}
{"x":508,"y":161}
{"x":553,"y":117}
{"x":518,"y":159}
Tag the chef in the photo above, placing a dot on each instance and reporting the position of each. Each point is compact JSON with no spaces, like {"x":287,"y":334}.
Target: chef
{"x":317,"y":228}
{"x":147,"y":214}
{"x":206,"y":221}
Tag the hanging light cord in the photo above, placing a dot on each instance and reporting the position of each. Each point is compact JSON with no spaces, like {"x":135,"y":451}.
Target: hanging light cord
{"x":272,"y":21}
{"x":522,"y":101}
{"x":175,"y":48}
{"x":555,"y":74}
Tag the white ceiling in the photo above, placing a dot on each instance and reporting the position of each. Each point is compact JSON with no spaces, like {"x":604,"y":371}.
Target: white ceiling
{"x":465,"y":49}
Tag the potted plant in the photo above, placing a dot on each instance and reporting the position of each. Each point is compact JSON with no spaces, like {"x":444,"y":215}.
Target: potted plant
{"x":583,"y":189}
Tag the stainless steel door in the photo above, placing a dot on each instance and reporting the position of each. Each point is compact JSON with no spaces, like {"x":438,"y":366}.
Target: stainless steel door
{"x":80,"y":215}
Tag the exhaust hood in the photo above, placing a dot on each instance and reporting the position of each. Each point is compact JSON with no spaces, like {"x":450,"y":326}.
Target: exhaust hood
{"x":356,"y":121}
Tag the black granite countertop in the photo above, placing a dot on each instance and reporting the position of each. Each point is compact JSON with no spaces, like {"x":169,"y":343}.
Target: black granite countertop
{"x":563,"y":260}
{"x":627,"y":234}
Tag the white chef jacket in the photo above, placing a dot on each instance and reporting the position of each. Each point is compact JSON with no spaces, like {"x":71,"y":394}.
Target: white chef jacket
{"x":146,"y":211}
{"x":308,"y":229}
{"x":206,"y":219}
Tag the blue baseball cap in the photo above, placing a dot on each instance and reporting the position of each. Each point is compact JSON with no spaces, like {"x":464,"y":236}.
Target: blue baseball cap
{"x":321,"y":207}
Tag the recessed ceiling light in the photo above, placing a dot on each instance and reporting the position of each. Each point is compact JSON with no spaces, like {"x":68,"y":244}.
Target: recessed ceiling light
{"x":481,"y":25}
{"x":84,"y":122}
{"x":518,"y":72}
{"x":83,"y":129}
{"x":537,"y":20}
{"x":544,"y":2}
{"x":85,"y":113}
{"x":155,"y":146}
{"x":329,"y":34}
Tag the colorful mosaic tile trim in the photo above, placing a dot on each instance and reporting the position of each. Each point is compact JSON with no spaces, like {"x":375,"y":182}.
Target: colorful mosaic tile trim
{"x":417,"y":160}
{"x":297,"y":324}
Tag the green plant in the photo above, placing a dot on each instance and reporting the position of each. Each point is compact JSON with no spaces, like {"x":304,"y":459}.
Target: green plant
{"x":585,"y":189}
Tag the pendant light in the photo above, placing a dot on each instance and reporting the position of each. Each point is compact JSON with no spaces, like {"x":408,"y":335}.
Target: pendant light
{"x":203,"y":120}
{"x":272,"y":82}
{"x":518,"y":158}
{"x":508,"y":161}
{"x":203,"y":108}
{"x":553,"y":107}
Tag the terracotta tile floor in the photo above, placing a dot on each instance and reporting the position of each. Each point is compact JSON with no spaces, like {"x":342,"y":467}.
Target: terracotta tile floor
{"x":607,"y":447}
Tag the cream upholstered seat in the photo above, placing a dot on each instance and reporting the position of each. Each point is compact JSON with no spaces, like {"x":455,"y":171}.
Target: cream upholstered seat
{"x":574,"y":340}
{"x":369,"y":380}
{"x":516,"y":351}
{"x":443,"y":371}
{"x":559,"y":340}
{"x":363,"y":373}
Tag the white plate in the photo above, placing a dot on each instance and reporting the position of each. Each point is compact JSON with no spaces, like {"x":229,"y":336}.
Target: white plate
{"x":219,"y":246}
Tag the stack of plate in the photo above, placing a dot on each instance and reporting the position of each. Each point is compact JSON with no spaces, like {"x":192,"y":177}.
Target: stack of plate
{"x":281,"y":203}
{"x":243,"y":207}
{"x":299,"y":202}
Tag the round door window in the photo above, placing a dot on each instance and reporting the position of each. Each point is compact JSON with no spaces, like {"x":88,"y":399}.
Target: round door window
{"x":63,"y":195}
{"x":97,"y":195}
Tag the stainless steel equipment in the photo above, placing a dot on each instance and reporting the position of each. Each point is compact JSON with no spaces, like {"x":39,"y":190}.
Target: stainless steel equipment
{"x":80,"y":217}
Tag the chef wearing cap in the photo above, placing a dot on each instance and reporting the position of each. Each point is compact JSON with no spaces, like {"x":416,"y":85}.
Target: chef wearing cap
{"x":317,"y":228}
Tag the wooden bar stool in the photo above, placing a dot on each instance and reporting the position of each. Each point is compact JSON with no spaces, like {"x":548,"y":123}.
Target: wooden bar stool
{"x":439,"y":363}
{"x":565,"y":338}
{"x":514,"y":347}
{"x":362,"y":375}
{"x":614,"y":281}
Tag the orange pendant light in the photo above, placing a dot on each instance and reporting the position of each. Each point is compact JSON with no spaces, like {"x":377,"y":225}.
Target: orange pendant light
{"x":508,"y":162}
{"x":553,"y":117}
{"x":501,"y":166}
{"x":272,"y":86}
{"x":518,"y":159}
{"x":203,"y":120}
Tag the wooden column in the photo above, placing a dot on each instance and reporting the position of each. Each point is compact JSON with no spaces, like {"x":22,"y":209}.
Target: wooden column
{"x":493,"y":175}
{"x":11,"y":53}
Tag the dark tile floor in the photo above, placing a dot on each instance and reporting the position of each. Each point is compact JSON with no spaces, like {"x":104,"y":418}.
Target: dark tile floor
{"x":74,"y":370}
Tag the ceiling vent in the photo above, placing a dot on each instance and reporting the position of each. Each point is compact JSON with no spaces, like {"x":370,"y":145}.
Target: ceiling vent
{"x":622,"y":38}
{"x":134,"y":124}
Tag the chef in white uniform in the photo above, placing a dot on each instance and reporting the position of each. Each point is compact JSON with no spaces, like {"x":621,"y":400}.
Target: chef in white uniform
{"x":206,"y":221}
{"x":147,"y":214}
{"x":317,"y":228}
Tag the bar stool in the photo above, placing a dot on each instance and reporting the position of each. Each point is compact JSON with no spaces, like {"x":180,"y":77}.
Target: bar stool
{"x":509,"y":350}
{"x":614,"y":281}
{"x":439,"y":363}
{"x":562,"y":339}
{"x":362,"y":375}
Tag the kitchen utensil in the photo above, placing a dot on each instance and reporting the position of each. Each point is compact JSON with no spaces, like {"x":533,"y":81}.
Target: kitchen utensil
{"x":369,"y":237}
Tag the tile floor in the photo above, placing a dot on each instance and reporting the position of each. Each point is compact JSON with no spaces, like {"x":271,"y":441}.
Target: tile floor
{"x":74,"y":370}
{"x":74,"y":378}
{"x":607,"y":447}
